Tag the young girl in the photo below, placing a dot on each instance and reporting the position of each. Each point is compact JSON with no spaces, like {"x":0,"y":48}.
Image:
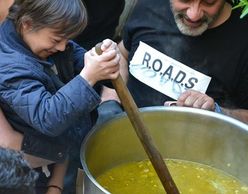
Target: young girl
{"x":46,"y":80}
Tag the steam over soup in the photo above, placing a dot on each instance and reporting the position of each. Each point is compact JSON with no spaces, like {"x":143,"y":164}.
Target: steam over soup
{"x":190,"y":178}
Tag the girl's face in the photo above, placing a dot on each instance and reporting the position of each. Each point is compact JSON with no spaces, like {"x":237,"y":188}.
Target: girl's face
{"x":43,"y":42}
{"x":4,"y":8}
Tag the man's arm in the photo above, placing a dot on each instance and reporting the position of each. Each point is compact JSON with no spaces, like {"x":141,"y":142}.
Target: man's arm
{"x":56,"y":182}
{"x":240,"y":114}
{"x":123,"y":61}
{"x":9,"y":138}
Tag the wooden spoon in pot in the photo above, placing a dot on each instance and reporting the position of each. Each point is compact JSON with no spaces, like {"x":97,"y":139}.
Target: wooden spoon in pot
{"x":142,"y":132}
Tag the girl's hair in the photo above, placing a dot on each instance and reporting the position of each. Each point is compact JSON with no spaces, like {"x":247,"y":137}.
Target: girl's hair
{"x":67,"y":17}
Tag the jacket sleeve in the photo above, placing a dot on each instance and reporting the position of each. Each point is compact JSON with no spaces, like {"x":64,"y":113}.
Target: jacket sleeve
{"x":24,"y":90}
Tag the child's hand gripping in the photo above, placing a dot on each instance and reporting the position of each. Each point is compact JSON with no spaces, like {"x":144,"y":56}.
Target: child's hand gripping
{"x":104,"y":66}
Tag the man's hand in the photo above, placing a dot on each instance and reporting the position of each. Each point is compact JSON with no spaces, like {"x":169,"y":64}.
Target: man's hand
{"x":109,"y":94}
{"x":110,"y":105}
{"x":195,"y":99}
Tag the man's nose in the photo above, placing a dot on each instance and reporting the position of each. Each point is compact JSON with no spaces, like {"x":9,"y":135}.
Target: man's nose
{"x":194,"y":12}
{"x":61,"y":45}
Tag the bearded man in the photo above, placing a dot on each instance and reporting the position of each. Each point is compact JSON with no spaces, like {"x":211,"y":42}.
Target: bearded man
{"x":203,"y":36}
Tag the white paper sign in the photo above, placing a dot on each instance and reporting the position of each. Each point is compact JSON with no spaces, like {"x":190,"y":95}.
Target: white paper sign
{"x":165,"y":74}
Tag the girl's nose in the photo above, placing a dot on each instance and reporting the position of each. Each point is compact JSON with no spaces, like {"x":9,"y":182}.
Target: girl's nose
{"x":61,"y":45}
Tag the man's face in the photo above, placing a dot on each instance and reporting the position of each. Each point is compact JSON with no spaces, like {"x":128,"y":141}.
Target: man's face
{"x":193,"y":17}
{"x":43,"y":42}
{"x":4,"y":8}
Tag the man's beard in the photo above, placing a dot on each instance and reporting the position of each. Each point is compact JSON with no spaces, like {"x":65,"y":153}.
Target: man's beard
{"x":192,"y":31}
{"x":205,"y":21}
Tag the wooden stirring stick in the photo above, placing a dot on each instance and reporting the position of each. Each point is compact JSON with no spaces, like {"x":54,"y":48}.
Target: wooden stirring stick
{"x":142,"y":132}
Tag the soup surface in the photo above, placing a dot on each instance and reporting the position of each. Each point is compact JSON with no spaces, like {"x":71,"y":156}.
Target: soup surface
{"x":190,"y":178}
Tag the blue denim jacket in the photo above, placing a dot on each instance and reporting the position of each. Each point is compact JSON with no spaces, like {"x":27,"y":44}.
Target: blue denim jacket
{"x":51,"y":114}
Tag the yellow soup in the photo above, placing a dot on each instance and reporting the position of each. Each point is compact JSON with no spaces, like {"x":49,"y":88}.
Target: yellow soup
{"x":190,"y":178}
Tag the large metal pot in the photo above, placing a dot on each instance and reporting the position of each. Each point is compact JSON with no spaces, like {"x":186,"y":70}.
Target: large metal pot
{"x":180,"y":133}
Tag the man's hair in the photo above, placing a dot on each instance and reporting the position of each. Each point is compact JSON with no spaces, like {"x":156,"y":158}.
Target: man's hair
{"x":67,"y":17}
{"x":16,"y":176}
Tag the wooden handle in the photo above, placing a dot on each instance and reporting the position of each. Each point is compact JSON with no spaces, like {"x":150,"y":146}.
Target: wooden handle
{"x":142,"y":132}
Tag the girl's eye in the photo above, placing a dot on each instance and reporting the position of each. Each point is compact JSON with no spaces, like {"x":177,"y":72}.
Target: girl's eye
{"x":55,"y":41}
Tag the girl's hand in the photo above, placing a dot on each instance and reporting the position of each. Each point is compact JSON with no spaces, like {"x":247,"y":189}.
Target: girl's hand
{"x":104,"y":66}
{"x":108,"y":44}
